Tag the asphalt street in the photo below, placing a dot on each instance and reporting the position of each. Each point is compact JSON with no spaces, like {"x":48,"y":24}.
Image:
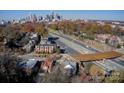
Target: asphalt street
{"x":73,"y":46}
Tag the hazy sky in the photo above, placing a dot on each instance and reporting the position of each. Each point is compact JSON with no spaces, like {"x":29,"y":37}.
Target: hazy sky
{"x":71,"y":14}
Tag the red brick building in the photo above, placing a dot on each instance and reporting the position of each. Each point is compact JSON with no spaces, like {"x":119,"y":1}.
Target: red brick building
{"x":47,"y":65}
{"x":45,"y":48}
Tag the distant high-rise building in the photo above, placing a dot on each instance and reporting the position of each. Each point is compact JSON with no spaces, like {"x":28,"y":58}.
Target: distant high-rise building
{"x":40,"y":18}
{"x":33,"y":18}
{"x":3,"y":22}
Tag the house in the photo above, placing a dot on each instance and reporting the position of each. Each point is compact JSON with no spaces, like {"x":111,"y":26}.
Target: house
{"x":30,"y":46}
{"x":102,"y":37}
{"x":29,"y":67}
{"x":47,"y":65}
{"x":34,"y":39}
{"x":44,"y":41}
{"x":109,"y":39}
{"x":10,"y":43}
{"x":122,"y":41}
{"x":45,"y":48}
{"x":69,"y":68}
{"x":114,"y":41}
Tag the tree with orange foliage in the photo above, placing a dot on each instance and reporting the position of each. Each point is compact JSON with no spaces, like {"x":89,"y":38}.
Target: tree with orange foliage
{"x":41,"y":30}
{"x":107,"y":29}
{"x":28,"y":27}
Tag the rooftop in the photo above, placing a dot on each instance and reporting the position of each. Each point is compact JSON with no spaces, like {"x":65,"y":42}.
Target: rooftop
{"x":30,"y":63}
{"x":97,"y":56}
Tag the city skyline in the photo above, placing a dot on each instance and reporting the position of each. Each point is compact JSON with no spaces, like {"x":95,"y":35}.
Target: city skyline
{"x":117,"y":15}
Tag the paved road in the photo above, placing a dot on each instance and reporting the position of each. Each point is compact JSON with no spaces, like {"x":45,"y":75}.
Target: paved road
{"x":68,"y":50}
{"x":118,"y":61}
{"x":81,"y":48}
{"x":94,"y":50}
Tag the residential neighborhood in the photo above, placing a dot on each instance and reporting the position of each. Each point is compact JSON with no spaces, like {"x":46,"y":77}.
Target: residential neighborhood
{"x":53,"y":49}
